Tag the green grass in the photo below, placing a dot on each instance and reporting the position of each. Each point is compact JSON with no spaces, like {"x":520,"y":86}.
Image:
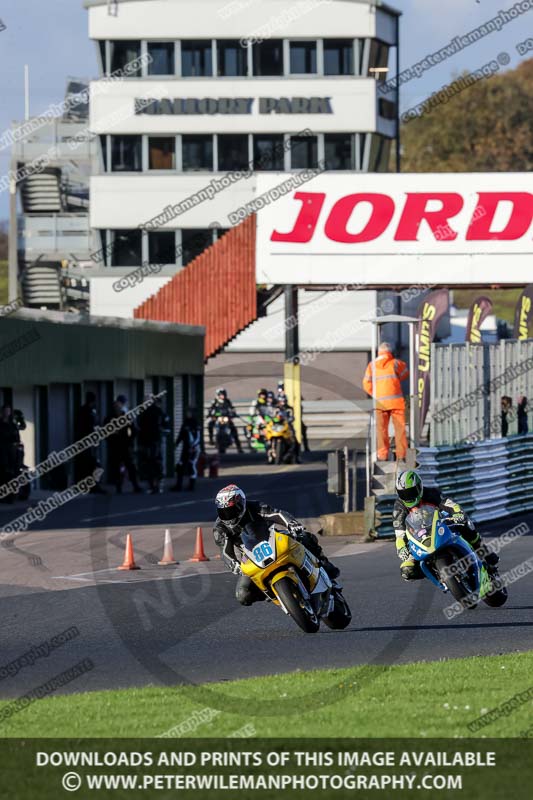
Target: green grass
{"x":504,"y":300}
{"x":3,"y":282}
{"x":417,"y":700}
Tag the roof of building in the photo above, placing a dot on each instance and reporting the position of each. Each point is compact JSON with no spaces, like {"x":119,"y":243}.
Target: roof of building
{"x":43,"y":347}
{"x":377,"y":3}
{"x":124,"y":323}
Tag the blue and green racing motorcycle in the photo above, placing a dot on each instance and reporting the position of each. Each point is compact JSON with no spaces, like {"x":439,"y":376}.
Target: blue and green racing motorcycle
{"x":448,"y":561}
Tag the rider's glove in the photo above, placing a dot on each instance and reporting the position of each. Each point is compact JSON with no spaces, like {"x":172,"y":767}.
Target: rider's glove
{"x":459,"y":518}
{"x":236,"y":569}
{"x":295,"y":528}
{"x":404,"y":554}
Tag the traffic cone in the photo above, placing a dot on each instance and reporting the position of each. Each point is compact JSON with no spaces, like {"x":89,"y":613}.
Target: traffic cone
{"x":199,"y":554}
{"x":129,"y":558}
{"x":168,"y":553}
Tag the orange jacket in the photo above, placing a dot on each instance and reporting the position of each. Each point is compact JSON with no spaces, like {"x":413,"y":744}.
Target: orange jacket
{"x":390,"y":372}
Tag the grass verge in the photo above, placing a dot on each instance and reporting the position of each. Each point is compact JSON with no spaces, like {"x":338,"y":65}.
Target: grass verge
{"x":430,"y":699}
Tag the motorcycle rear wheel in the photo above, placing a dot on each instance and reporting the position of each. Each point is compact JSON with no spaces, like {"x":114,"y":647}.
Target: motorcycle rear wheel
{"x":455,"y":585}
{"x":341,"y":616}
{"x":289,"y":595}
{"x":498,"y":597}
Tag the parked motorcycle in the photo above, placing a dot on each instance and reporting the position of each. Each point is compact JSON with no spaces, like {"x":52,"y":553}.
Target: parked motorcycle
{"x":292,"y":578}
{"x":280,"y":444}
{"x":448,"y":561}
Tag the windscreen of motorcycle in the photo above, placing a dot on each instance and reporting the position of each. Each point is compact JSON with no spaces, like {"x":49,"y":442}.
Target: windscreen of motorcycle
{"x":259,"y":546}
{"x":420,"y":521}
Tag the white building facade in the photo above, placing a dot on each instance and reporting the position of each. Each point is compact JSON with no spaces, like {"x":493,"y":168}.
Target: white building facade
{"x":218,"y":93}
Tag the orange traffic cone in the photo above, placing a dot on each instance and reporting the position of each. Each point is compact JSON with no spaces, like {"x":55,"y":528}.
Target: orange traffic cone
{"x":129,"y":558}
{"x":168,"y":552}
{"x":199,"y":554}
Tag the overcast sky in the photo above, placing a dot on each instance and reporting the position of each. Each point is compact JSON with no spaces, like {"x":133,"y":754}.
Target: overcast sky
{"x":51,"y":37}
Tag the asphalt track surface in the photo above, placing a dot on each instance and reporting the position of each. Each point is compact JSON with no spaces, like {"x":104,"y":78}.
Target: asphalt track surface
{"x":165,"y":626}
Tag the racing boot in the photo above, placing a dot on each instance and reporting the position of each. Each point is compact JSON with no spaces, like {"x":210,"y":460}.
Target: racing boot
{"x":410,"y":570}
{"x":489,"y":558}
{"x":331,"y":570}
{"x":310,"y":541}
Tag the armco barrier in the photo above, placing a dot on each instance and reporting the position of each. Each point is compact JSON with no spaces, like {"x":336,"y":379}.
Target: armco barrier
{"x":490,"y":479}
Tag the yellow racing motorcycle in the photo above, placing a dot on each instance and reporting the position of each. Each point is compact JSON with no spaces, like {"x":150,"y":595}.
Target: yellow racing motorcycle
{"x":280,"y":443}
{"x":292,"y":578}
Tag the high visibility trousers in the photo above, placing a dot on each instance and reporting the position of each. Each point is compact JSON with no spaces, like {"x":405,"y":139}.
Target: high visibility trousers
{"x":382,"y":430}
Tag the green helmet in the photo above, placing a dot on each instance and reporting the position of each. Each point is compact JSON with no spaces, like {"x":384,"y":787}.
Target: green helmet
{"x":409,"y":487}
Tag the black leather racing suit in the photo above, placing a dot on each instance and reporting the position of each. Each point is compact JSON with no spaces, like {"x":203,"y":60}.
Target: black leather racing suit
{"x":222,"y":409}
{"x":261,"y":516}
{"x":409,"y":567}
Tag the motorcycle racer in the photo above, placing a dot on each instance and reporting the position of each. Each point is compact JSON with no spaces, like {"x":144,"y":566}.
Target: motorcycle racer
{"x":411,"y":493}
{"x":234,"y":513}
{"x":223,"y":407}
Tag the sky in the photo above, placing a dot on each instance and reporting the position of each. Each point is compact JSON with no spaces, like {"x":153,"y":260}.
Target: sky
{"x":51,"y":37}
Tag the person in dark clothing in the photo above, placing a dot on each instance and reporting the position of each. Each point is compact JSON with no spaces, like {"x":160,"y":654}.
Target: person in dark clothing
{"x":412,"y":493}
{"x":522,"y":410}
{"x":120,"y":450}
{"x":153,"y":424}
{"x":281,"y":394}
{"x":86,"y":462}
{"x":11,"y":449}
{"x":287,"y":411}
{"x":507,"y":405}
{"x":190,"y":439}
{"x":222,"y":407}
{"x":234,"y":514}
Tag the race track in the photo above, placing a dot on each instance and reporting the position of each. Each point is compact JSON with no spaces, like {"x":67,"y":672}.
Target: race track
{"x":152,"y":627}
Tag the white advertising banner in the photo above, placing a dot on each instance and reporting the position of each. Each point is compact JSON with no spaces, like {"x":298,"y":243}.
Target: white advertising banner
{"x":395,"y":229}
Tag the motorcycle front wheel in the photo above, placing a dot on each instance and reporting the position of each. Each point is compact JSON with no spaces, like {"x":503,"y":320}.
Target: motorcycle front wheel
{"x":457,"y":584}
{"x":290,"y":596}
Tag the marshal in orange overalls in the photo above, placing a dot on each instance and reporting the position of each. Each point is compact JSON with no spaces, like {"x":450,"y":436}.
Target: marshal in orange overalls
{"x":390,"y":372}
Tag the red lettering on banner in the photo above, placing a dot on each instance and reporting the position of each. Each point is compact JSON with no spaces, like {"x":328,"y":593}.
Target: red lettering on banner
{"x":382,"y":214}
{"x":519,"y":221}
{"x":305,"y":225}
{"x":415,"y":210}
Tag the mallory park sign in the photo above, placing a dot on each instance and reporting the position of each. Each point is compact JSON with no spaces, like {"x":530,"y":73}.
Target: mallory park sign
{"x":234,"y":105}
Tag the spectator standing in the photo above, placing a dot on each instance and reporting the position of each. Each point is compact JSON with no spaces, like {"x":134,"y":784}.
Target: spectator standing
{"x":190,"y":439}
{"x":506,"y":406}
{"x":120,"y":449}
{"x":10,"y":445}
{"x":86,"y":462}
{"x":153,"y":424}
{"x":523,"y":408}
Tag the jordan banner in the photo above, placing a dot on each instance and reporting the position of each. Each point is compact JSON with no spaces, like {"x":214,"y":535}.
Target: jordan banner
{"x":523,"y":317}
{"x":430,"y":312}
{"x":479,"y":311}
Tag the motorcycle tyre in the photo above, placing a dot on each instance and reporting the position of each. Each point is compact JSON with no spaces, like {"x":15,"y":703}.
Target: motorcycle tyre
{"x":341,"y":616}
{"x":456,"y":588}
{"x":288,"y":593}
